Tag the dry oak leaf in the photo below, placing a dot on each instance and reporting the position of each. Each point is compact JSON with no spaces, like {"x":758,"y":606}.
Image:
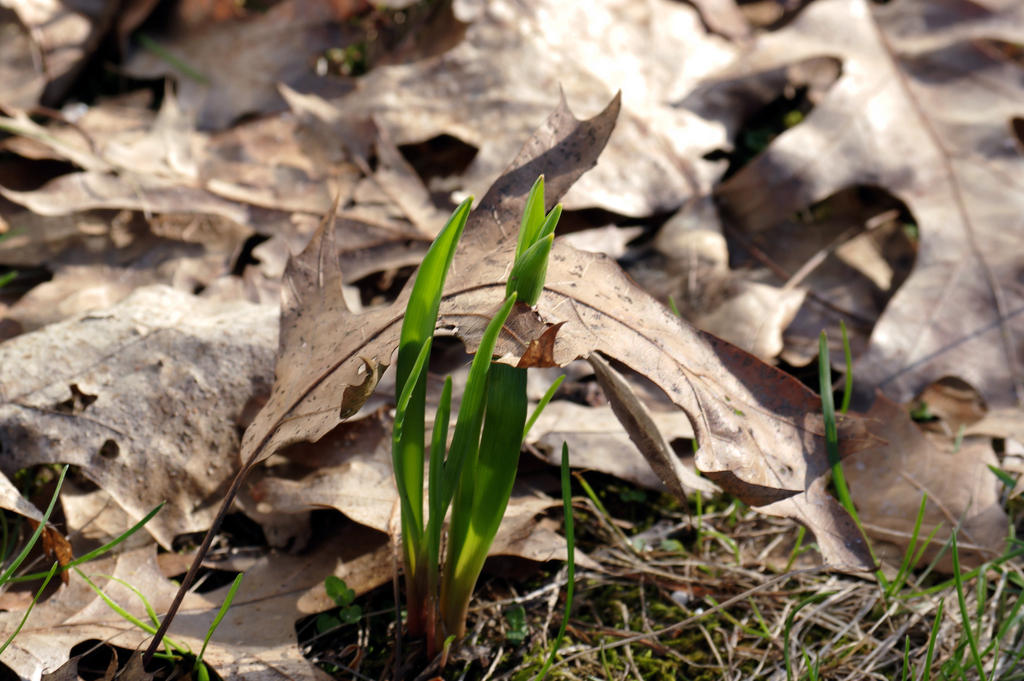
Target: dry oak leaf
{"x":491,"y":88}
{"x":759,"y":429}
{"x":62,"y":33}
{"x":145,"y":397}
{"x":888,"y":481}
{"x":235,"y":66}
{"x":136,"y":167}
{"x":923,"y":108}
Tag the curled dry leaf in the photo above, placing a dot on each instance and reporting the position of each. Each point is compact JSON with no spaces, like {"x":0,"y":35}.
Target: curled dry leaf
{"x":758,"y":428}
{"x":597,"y":441}
{"x":644,"y":432}
{"x":145,"y":397}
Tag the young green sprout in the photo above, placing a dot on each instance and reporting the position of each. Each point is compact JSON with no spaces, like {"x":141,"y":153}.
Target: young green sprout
{"x":475,"y":474}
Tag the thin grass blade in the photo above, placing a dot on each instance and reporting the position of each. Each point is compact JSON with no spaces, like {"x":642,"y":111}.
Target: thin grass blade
{"x":965,"y":618}
{"x":550,"y":393}
{"x":96,"y":553}
{"x":220,"y":616}
{"x":570,"y":555}
{"x":48,"y":576}
{"x":6,"y":576}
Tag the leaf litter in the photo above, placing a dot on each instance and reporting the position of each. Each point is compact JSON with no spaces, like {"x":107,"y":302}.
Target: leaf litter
{"x":273,"y":176}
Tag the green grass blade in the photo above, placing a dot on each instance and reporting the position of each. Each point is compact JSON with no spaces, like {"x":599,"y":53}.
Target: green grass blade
{"x":971,"y":574}
{"x":906,"y":659}
{"x":905,"y":565}
{"x":831,"y":432}
{"x":965,"y":618}
{"x":927,"y":673}
{"x":1006,"y":623}
{"x":150,"y":612}
{"x":533,"y":217}
{"x":570,"y":554}
{"x":797,"y":545}
{"x":828,"y":412}
{"x":435,"y":519}
{"x":172,"y":60}
{"x":815,"y":598}
{"x":848,"y":382}
{"x":675,"y":308}
{"x":543,"y":403}
{"x":425,"y":297}
{"x":402,"y":404}
{"x":438,"y":444}
{"x":530,"y":270}
{"x":96,"y":553}
{"x":6,"y":576}
{"x":127,"y":616}
{"x":48,"y":576}
{"x":220,"y":616}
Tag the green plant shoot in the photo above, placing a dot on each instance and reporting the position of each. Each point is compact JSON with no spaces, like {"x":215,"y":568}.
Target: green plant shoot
{"x":475,"y":474}
{"x":410,"y":384}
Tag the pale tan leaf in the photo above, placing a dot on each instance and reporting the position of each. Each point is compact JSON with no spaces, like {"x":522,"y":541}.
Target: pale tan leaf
{"x":64,"y":34}
{"x":493,"y":86}
{"x":922,"y":108}
{"x":887,"y":483}
{"x":256,"y":641}
{"x":144,"y":397}
{"x":87,"y":190}
{"x":23,"y":81}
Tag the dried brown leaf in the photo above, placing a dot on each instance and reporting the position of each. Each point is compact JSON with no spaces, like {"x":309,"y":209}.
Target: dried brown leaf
{"x":63,"y":34}
{"x":255,"y":641}
{"x":922,"y":109}
{"x":887,"y":482}
{"x":144,"y":397}
{"x":752,"y":421}
{"x":644,"y":432}
{"x":597,"y":441}
{"x":491,"y":88}
{"x":239,"y":63}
